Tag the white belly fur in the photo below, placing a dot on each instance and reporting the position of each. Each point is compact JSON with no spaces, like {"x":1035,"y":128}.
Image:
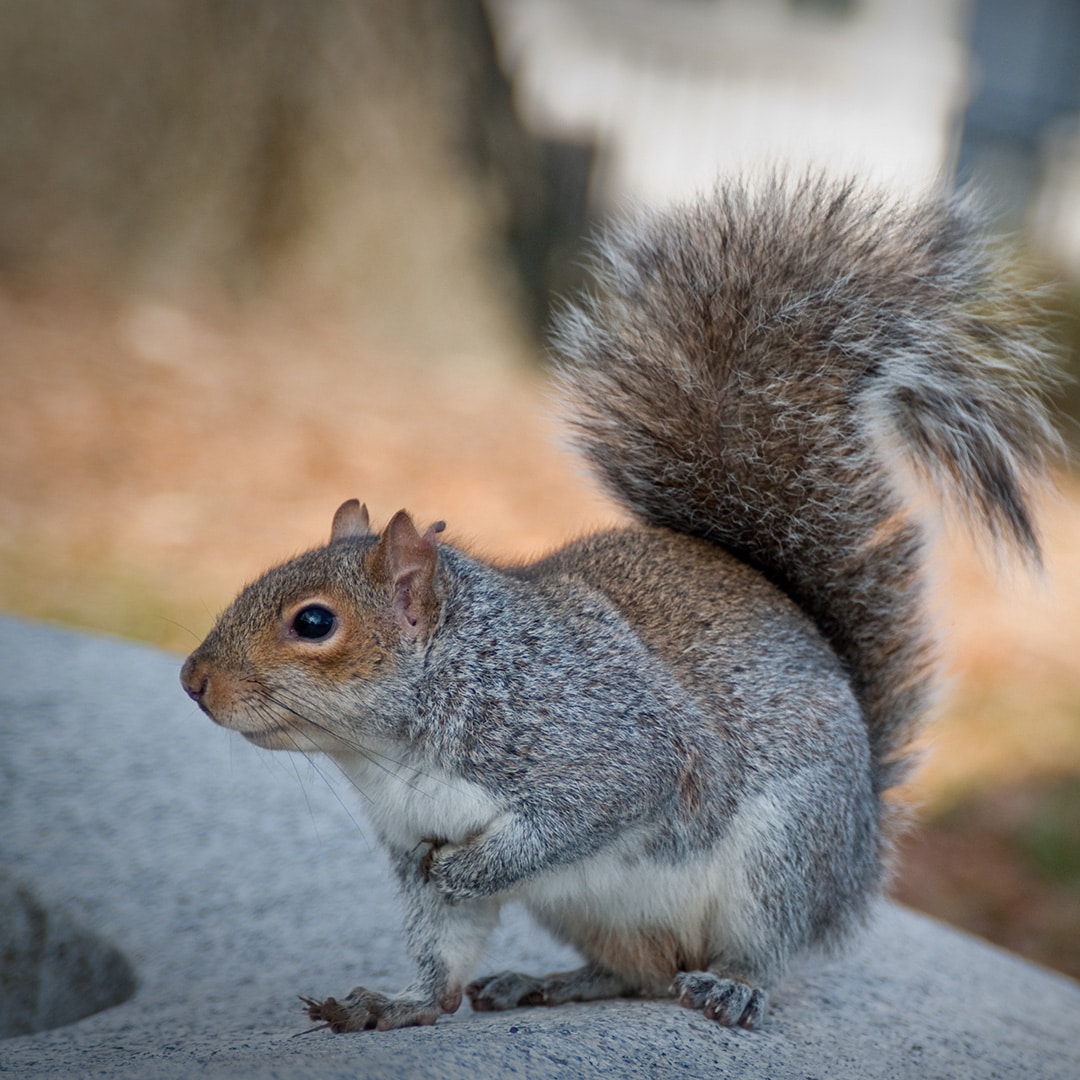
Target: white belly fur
{"x":408,"y":801}
{"x":648,"y":917}
{"x":644,"y":916}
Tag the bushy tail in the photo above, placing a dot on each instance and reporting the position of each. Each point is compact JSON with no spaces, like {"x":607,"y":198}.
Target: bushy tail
{"x":757,"y":368}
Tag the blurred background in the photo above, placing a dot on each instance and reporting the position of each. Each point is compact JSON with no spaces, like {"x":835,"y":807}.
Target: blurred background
{"x":258,"y":256}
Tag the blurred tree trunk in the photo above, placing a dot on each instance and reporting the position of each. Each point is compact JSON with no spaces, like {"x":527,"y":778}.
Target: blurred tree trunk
{"x":362,"y":152}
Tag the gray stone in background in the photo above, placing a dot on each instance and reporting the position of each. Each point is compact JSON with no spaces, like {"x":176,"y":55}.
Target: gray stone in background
{"x":228,"y":880}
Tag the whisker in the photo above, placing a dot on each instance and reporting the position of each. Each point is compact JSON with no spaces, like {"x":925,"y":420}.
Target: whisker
{"x":367,"y":753}
{"x":334,"y":791}
{"x":260,"y":709}
{"x":303,"y":786}
{"x":372,"y":756}
{"x":180,"y":626}
{"x":281,"y":703}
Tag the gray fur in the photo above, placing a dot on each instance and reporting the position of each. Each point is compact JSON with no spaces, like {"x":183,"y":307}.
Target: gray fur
{"x":671,"y":741}
{"x":753,"y":368}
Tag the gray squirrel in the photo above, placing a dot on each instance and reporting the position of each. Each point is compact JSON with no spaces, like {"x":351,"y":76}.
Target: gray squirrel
{"x":672,"y":741}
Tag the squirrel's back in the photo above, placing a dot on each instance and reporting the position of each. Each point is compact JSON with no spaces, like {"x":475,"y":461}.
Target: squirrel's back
{"x":755,"y":369}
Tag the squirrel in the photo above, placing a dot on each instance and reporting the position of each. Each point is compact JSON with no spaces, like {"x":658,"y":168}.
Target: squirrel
{"x":673,"y":741}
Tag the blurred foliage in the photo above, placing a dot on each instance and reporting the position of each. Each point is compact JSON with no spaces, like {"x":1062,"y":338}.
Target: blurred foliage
{"x":1050,"y":835}
{"x":1003,"y":862}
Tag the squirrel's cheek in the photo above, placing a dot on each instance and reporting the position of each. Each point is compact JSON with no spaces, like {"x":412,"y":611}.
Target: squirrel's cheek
{"x":353,"y":658}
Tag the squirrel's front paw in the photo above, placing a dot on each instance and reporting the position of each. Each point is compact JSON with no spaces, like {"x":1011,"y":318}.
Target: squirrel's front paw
{"x":364,"y":1009}
{"x":727,"y":1001}
{"x":453,"y":870}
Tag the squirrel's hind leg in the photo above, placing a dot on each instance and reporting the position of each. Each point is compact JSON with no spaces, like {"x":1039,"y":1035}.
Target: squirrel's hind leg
{"x":509,"y":989}
{"x":365,"y":1009}
{"x":729,"y":1002}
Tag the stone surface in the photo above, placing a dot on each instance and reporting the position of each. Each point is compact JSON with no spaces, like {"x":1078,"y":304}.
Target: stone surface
{"x":231,"y":880}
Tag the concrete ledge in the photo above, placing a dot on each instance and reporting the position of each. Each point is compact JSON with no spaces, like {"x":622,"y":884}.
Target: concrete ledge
{"x":53,"y":972}
{"x":229,"y":880}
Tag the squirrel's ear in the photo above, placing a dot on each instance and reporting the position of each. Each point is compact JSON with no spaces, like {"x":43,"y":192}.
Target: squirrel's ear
{"x":411,"y":561}
{"x":351,"y":520}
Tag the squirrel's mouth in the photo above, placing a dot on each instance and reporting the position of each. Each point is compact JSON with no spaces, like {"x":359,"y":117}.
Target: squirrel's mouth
{"x":274,"y":738}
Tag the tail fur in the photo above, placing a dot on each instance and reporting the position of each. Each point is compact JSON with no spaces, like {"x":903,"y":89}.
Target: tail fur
{"x":756,"y":368}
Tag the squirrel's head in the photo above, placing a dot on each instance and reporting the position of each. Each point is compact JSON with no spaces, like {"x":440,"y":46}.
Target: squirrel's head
{"x":324,"y":639}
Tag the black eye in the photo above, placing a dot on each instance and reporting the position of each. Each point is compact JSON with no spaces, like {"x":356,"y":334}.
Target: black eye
{"x":314,"y":623}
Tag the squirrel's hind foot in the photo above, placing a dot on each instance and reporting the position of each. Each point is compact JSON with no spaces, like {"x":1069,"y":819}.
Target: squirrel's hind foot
{"x":729,"y":1002}
{"x":364,"y":1010}
{"x":510,"y":989}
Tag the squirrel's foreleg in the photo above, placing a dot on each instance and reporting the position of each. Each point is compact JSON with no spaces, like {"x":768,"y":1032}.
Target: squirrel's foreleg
{"x":445,"y":940}
{"x":506,"y":852}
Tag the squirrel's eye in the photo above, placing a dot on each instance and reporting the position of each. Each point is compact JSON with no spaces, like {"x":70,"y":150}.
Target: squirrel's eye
{"x":314,"y":623}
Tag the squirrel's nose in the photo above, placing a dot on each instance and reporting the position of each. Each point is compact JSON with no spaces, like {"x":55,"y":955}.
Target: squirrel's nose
{"x":193,"y":679}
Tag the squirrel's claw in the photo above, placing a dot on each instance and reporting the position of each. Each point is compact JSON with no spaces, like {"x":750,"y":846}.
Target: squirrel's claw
{"x":729,"y":1002}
